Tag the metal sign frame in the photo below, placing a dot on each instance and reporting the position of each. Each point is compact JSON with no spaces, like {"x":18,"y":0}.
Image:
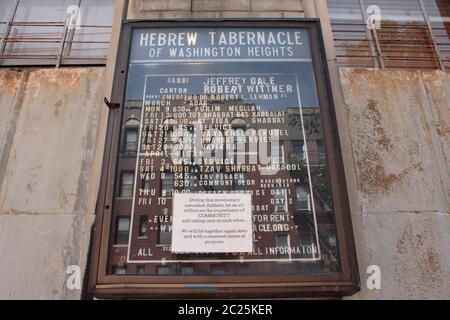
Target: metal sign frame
{"x":102,"y":285}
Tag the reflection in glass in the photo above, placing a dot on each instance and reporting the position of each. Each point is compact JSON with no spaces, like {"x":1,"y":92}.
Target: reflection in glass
{"x":126,"y":184}
{"x":166,"y":184}
{"x":89,"y":41}
{"x":293,"y":222}
{"x":131,"y":139}
{"x":302,"y":196}
{"x":39,"y":26}
{"x":164,"y":228}
{"x":143,"y":225}
{"x":123,"y":229}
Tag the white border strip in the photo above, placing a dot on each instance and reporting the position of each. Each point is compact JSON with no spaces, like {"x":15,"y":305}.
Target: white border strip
{"x":150,"y":61}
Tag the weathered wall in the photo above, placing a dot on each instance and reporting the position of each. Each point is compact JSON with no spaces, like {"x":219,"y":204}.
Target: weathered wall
{"x":174,"y":9}
{"x":49,"y":128}
{"x":399,"y":124}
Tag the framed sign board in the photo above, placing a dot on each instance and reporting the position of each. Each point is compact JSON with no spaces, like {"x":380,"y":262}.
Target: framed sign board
{"x":222,"y":174}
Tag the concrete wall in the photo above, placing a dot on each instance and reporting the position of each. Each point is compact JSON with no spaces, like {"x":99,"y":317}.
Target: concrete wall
{"x":49,"y":128}
{"x":399,"y":123}
{"x":173,"y":9}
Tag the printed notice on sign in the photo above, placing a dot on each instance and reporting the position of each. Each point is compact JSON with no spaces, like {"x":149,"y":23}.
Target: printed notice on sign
{"x":212,"y":223}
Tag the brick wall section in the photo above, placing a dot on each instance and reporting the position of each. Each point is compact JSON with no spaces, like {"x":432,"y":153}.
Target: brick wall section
{"x":182,"y":9}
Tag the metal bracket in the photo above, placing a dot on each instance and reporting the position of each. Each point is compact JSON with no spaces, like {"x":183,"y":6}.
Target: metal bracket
{"x":111,"y":105}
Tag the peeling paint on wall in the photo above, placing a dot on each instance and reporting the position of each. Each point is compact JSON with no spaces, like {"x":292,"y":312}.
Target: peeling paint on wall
{"x":44,"y":215}
{"x":396,"y":120}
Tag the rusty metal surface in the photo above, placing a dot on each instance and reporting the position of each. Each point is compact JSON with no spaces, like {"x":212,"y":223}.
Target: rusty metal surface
{"x":417,"y":42}
{"x":401,"y":45}
{"x":53,"y":46}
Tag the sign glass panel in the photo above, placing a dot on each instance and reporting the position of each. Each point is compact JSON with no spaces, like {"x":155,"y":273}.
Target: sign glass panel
{"x":223,"y":126}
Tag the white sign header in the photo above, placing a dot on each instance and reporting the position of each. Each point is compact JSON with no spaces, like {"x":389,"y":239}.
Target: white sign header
{"x":212,"y":223}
